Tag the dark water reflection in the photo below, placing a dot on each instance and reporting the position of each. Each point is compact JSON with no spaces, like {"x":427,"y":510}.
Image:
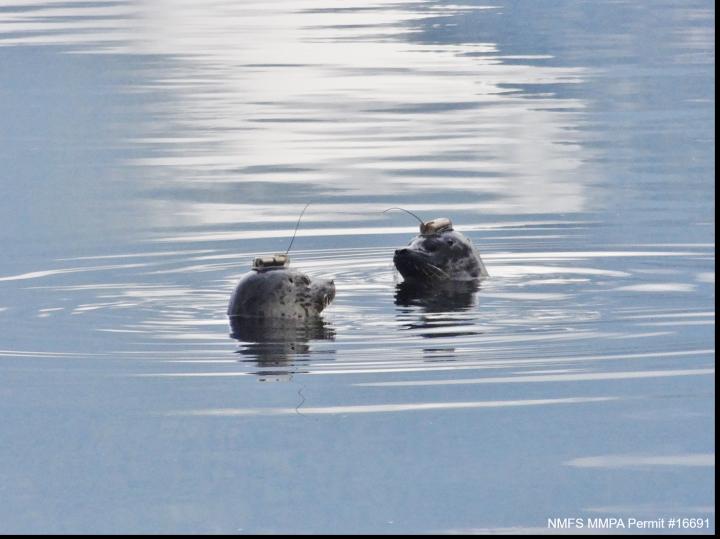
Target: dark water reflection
{"x":451,"y":296}
{"x":278,"y":341}
{"x":150,"y":150}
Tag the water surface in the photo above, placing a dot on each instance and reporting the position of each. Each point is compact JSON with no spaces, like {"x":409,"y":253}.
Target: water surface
{"x":151,"y":149}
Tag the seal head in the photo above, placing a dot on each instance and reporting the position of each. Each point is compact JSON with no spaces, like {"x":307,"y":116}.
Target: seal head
{"x":273,"y":290}
{"x":439,"y":253}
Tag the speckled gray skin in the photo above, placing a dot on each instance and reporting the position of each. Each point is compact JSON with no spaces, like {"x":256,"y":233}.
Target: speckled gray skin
{"x":446,"y":256}
{"x":280,"y":293}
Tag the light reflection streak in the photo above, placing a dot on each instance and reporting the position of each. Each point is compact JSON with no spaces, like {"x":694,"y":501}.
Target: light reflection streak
{"x":277,"y":104}
{"x":583,"y":377}
{"x":408,"y":365}
{"x":385,"y":408}
{"x":644,"y":461}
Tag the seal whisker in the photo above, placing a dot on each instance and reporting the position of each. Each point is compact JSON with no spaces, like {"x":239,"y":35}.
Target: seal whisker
{"x":443,"y":273}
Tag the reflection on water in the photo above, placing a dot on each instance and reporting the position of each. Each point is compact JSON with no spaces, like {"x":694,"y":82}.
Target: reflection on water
{"x":278,"y":342}
{"x":440,"y":297}
{"x":152,"y":149}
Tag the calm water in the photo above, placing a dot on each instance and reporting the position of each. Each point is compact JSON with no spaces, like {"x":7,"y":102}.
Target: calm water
{"x":149,"y":149}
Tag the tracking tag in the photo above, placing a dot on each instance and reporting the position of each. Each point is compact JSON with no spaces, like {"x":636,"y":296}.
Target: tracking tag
{"x":271,"y":261}
{"x":436,"y":226}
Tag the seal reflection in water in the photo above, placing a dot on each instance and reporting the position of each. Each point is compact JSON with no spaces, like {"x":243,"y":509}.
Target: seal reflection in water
{"x":276,"y":310}
{"x":438,"y":311}
{"x":437,"y":298}
{"x":275,"y":344}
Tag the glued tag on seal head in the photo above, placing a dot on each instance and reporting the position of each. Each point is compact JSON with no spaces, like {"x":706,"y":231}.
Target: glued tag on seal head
{"x":436,"y":226}
{"x":270,"y":262}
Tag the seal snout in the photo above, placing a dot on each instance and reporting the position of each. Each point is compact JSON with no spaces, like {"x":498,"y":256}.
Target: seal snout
{"x":323,"y":292}
{"x":405,"y":253}
{"x":330,"y":291}
{"x":409,"y":262}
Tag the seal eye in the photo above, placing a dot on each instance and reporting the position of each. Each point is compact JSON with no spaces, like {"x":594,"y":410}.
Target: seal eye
{"x":450,"y":242}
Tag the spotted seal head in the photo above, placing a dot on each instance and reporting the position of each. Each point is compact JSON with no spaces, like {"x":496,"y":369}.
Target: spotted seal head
{"x":272,"y":290}
{"x":439,"y":254}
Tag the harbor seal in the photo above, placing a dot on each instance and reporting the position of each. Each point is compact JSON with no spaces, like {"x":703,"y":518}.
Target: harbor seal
{"x":439,"y":254}
{"x":273,"y":290}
